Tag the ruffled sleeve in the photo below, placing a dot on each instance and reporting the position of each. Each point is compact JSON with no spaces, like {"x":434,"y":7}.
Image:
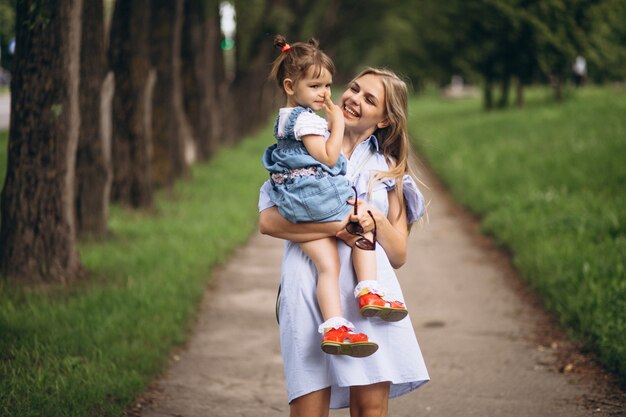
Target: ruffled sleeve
{"x":413,"y":200}
{"x":310,"y":124}
{"x":265,"y":201}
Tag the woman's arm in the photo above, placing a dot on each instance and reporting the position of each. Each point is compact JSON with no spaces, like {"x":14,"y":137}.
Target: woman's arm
{"x":391,"y":231}
{"x":273,"y":224}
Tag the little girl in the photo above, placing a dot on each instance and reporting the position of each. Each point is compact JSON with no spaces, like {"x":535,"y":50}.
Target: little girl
{"x":308,"y":185}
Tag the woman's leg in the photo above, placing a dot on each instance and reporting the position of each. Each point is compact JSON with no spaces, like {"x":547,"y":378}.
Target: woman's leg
{"x":324,"y":255}
{"x":315,"y":404}
{"x":369,"y":400}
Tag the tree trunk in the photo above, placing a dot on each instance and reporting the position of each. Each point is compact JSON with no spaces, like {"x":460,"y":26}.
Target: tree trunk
{"x":488,"y":95}
{"x":131,"y":136}
{"x":201,"y":75}
{"x":93,"y":164}
{"x":38,"y":236}
{"x":504,"y":96}
{"x":169,"y":128}
{"x":558,"y":87}
{"x":519,"y":94}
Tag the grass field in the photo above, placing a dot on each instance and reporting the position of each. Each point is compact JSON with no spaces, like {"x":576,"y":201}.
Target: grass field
{"x":90,"y":350}
{"x":549,"y":183}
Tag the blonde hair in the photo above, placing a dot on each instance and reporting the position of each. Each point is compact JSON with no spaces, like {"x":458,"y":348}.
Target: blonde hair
{"x":393,"y":140}
{"x":295,"y":60}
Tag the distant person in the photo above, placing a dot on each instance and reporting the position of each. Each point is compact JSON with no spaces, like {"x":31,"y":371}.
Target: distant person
{"x":376,"y":146}
{"x":307,"y":172}
{"x":580,"y":71}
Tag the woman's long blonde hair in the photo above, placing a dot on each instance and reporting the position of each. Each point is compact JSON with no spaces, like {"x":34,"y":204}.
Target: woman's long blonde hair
{"x":393,"y":140}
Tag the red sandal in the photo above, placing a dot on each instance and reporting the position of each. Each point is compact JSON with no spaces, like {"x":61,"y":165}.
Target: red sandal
{"x":373,"y":305}
{"x":343,"y":341}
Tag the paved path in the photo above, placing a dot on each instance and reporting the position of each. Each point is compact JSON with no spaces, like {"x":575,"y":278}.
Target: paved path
{"x":489,"y":349}
{"x":5,"y":110}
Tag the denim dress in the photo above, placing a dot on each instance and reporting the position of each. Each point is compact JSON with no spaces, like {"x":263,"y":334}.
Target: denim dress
{"x":398,"y":359}
{"x":318,"y":196}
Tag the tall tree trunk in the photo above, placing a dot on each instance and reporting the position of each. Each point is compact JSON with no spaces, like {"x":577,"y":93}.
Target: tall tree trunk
{"x":38,"y":237}
{"x":201,"y":55}
{"x":169,"y":129}
{"x":519,"y":94}
{"x":504,"y":93}
{"x":488,"y":95}
{"x":557,"y":85}
{"x":131,"y":135}
{"x":93,"y":164}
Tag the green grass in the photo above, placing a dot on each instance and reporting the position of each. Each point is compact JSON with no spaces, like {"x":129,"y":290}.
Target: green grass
{"x":89,"y":350}
{"x":549,"y":183}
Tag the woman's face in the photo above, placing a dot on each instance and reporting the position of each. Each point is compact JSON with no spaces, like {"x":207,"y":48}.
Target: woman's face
{"x":363,"y":104}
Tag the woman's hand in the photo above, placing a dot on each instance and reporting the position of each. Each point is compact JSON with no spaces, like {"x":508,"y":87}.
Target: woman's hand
{"x":362,"y":216}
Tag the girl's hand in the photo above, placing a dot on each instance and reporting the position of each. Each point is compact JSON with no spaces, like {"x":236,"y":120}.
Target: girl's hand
{"x":333,"y":114}
{"x":363,"y":218}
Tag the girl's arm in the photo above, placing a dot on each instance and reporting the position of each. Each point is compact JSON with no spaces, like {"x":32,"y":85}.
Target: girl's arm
{"x":327,"y":151}
{"x":273,"y":224}
{"x":392,"y":231}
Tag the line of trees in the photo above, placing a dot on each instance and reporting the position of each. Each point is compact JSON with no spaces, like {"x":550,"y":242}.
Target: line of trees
{"x":111,"y":109}
{"x":112,"y":99}
{"x":498,"y":44}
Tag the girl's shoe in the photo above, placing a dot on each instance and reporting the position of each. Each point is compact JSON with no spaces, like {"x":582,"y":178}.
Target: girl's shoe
{"x":343,"y":341}
{"x":373,"y":305}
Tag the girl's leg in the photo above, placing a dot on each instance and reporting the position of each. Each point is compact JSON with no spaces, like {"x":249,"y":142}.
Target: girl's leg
{"x":369,"y":400}
{"x":370,"y":295}
{"x":324,"y":255}
{"x":315,"y":404}
{"x":364,"y":262}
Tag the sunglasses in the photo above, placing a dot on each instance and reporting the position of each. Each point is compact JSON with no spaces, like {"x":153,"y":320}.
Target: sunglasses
{"x":356,"y":229}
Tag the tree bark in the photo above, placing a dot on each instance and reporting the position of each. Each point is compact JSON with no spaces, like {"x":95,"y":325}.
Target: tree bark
{"x":38,"y":237}
{"x":488,"y":95}
{"x":201,"y":74}
{"x":131,"y":130}
{"x":519,"y":94}
{"x":169,"y":126}
{"x":504,"y":92}
{"x":93,"y":163}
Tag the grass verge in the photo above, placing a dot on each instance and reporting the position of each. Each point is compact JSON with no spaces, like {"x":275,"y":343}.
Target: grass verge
{"x":548,"y":182}
{"x":90,"y":349}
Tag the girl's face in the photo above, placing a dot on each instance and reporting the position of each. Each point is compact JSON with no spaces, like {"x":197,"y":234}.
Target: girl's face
{"x":363,"y":104}
{"x":309,"y":91}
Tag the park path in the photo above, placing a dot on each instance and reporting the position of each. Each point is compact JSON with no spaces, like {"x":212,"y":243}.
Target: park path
{"x":5,"y":110}
{"x":489,"y":348}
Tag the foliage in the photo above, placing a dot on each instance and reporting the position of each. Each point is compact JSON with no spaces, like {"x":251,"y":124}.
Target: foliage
{"x":484,"y":41}
{"x":548,"y":185}
{"x":90,"y":349}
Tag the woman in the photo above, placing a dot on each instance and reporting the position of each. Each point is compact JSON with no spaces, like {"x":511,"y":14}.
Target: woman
{"x":377,"y":147}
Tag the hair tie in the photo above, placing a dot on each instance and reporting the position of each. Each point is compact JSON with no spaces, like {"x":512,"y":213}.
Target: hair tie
{"x":285,"y":47}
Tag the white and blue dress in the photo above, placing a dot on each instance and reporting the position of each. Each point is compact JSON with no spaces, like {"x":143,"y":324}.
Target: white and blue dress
{"x":398,"y":359}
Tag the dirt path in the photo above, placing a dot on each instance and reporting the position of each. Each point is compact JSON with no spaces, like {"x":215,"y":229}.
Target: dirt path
{"x":489,"y":349}
{"x":5,"y":110}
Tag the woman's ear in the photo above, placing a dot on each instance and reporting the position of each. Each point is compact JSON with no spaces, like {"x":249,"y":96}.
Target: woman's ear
{"x":383,"y":123}
{"x":288,"y":86}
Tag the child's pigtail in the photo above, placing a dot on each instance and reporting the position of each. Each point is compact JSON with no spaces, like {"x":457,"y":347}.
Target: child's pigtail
{"x":278,"y":68}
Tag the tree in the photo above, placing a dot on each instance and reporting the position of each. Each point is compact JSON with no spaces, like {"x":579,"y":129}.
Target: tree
{"x":37,"y":236}
{"x":131,"y":136}
{"x":93,"y":163}
{"x":202,"y":73}
{"x":170,"y":130}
